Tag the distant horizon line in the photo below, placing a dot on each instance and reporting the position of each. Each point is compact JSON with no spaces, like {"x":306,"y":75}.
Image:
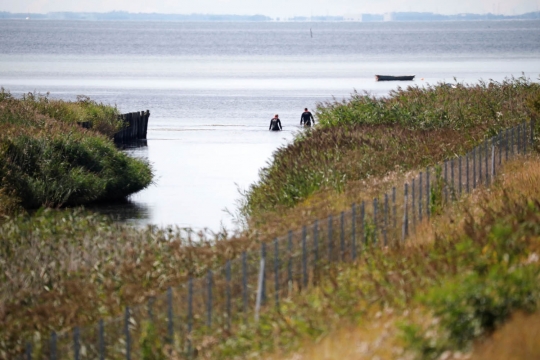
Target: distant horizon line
{"x":360,"y":17}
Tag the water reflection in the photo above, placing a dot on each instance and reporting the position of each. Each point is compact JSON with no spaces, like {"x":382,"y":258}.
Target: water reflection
{"x":122,"y":210}
{"x":133,"y":144}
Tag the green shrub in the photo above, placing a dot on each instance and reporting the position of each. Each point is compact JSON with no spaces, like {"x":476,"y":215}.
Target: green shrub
{"x":47,"y":159}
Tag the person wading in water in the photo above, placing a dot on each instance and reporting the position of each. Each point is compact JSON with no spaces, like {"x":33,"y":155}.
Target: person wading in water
{"x":306,"y":118}
{"x":275,"y":124}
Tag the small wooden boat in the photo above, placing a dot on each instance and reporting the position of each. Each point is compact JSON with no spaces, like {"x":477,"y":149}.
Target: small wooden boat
{"x":394,"y":78}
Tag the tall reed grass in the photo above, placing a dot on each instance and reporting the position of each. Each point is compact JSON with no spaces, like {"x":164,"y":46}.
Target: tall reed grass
{"x":365,"y":138}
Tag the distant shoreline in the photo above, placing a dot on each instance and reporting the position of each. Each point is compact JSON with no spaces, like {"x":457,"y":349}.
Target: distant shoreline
{"x":388,"y":17}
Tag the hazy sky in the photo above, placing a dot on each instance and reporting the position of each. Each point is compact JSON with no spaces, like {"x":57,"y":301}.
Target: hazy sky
{"x":274,"y":8}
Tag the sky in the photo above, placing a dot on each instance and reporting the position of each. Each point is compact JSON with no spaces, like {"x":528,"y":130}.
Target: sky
{"x":274,"y":8}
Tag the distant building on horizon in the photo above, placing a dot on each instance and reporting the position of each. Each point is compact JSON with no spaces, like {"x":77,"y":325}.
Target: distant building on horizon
{"x":362,"y":17}
{"x":388,"y":17}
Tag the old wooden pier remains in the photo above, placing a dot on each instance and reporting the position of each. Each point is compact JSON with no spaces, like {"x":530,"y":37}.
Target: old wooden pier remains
{"x":136,"y":127}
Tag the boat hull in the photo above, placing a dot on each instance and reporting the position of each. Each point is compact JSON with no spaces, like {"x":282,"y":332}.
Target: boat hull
{"x":394,"y":78}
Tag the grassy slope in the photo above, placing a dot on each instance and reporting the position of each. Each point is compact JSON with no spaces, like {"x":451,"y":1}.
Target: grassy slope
{"x":46,"y":159}
{"x":362,"y":141}
{"x":456,"y":281}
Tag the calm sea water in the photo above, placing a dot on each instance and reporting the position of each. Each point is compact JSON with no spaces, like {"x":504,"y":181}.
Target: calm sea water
{"x":213,"y":87}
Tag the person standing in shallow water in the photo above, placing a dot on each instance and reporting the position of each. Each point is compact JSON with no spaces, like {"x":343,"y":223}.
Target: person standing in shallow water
{"x":306,"y":118}
{"x":275,"y":124}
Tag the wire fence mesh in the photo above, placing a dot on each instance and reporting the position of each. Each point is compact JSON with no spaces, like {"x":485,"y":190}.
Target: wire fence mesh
{"x":185,"y":317}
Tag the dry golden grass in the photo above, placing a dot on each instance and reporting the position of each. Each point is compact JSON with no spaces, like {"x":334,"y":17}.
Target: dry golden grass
{"x":519,"y":339}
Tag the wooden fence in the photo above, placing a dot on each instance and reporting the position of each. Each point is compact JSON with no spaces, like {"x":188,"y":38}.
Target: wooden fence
{"x":137,"y":126}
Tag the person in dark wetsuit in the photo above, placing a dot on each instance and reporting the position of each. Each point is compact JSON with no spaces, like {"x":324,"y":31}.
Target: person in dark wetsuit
{"x":275,"y":124}
{"x":306,"y":118}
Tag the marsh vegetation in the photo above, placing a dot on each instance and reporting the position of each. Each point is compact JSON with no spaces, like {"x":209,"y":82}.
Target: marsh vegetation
{"x":66,"y":268}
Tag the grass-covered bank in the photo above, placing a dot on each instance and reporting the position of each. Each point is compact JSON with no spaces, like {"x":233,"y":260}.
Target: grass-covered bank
{"x":48,"y":160}
{"x":450,"y":287}
{"x":365,"y":138}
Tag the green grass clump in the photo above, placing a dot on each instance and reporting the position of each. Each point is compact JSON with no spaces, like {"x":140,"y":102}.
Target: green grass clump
{"x":473,"y":304}
{"x":47,"y":159}
{"x":365,"y":137}
{"x":102,"y":118}
{"x":493,"y":105}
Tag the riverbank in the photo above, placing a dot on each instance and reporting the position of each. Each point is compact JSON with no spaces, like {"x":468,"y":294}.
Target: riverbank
{"x":47,"y":158}
{"x":365,"y":145}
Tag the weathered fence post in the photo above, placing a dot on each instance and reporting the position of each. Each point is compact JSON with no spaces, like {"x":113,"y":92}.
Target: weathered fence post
{"x":519,"y":139}
{"x":209,"y":303}
{"x":353,"y":231}
{"x":76,"y":343}
{"x":244,"y":283}
{"x":486,"y":160}
{"x":499,"y":144}
{"x":413,"y":205}
{"x":532,"y":132}
{"x":445,"y":181}
{"x":342,"y":236}
{"x":453,"y":186}
{"x":150,"y":309}
{"x":135,"y":126}
{"x":316,"y":241}
{"x":467,"y":173}
{"x":260,"y":290}
{"x":474,"y":168}
{"x":525,"y":138}
{"x":512,"y":142}
{"x":480,"y":176}
{"x":405,"y":228}
{"x":385,"y":219}
{"x":330,"y":238}
{"x":428,"y":197}
{"x":420,"y":197}
{"x":375,"y":222}
{"x":127,"y":334}
{"x":263,"y":255}
{"x":304,"y":257}
{"x":363,"y":222}
{"x":28,"y":350}
{"x":289,"y":265}
{"x":53,"y":345}
{"x":459,"y":175}
{"x":276,"y":272}
{"x":394,"y":207}
{"x":170,"y":324}
{"x":190,"y":314}
{"x":507,"y":131}
{"x":228,"y":293}
{"x":101,"y":339}
{"x":492,"y":162}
